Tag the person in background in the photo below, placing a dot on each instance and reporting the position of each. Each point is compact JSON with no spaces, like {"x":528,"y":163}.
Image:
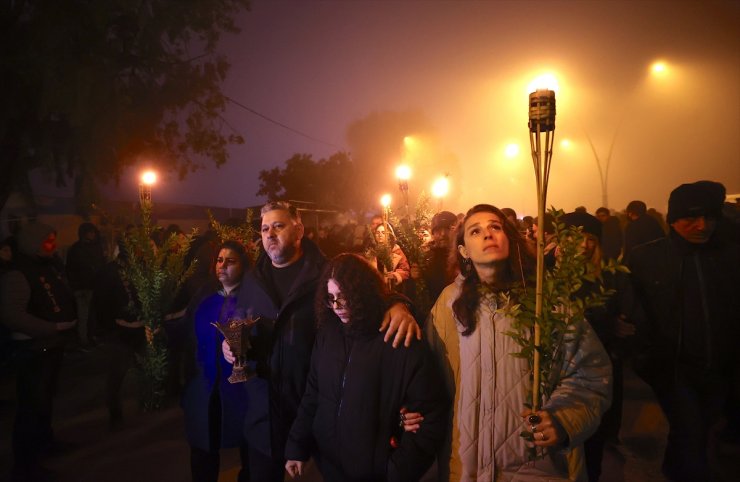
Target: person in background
{"x":85,"y":259}
{"x":688,"y":285}
{"x":611,"y":234}
{"x":38,"y":307}
{"x":357,"y":386}
{"x":467,"y":330}
{"x":214,"y":408}
{"x":614,"y":324}
{"x":114,"y":301}
{"x":399,"y":270}
{"x":437,"y":271}
{"x":641,"y":227}
{"x":511,"y":217}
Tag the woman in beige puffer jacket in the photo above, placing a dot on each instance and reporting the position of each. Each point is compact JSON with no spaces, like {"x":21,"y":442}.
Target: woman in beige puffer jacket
{"x":467,"y":331}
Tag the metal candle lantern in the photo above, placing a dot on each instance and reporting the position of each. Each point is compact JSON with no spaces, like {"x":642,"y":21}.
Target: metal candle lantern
{"x":541,"y":122}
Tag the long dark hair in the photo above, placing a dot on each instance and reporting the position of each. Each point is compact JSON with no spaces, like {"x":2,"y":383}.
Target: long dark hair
{"x":362,"y":288}
{"x":519,"y":267}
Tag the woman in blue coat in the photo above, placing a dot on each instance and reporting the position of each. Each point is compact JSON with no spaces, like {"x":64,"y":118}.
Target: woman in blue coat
{"x":214,"y":408}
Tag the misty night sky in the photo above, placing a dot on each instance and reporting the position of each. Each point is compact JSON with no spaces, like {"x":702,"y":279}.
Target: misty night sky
{"x":318,"y":66}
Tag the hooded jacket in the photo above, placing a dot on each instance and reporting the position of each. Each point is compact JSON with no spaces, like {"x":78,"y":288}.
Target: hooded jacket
{"x":484,"y":432}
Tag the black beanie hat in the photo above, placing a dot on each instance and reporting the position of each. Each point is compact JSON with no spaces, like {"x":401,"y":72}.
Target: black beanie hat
{"x":702,"y":198}
{"x":589,"y":223}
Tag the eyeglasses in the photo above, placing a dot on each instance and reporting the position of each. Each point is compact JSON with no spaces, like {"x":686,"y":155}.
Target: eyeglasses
{"x":341,"y":303}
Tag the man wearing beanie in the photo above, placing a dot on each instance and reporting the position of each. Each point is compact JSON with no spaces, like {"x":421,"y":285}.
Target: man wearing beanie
{"x":688,"y":285}
{"x":38,"y":307}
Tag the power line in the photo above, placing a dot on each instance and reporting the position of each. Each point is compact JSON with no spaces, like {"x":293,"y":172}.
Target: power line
{"x":248,"y":109}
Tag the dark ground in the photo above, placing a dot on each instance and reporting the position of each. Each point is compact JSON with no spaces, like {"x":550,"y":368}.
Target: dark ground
{"x":152,"y":447}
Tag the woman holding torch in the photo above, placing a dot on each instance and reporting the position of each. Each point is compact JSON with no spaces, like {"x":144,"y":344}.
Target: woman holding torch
{"x":470,"y":330}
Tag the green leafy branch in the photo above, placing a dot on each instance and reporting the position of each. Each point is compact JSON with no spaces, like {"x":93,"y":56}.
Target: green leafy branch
{"x":156,"y":273}
{"x":561,"y":306}
{"x":244,"y":233}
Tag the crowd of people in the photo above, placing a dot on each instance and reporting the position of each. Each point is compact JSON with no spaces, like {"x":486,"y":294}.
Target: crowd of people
{"x":346,"y":365}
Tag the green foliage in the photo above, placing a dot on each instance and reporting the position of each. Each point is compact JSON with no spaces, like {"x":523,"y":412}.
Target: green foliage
{"x":156,"y":274}
{"x":411,"y":240}
{"x":560,"y":308}
{"x":92,"y":87}
{"x":152,"y":371}
{"x":243,"y":233}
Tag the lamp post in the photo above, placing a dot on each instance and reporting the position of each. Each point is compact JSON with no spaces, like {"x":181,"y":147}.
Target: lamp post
{"x":148,"y":179}
{"x":403,"y":173}
{"x":541,"y":124}
{"x":440,"y":188}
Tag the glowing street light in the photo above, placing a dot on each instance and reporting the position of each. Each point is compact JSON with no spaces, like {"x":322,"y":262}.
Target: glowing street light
{"x":148,"y":179}
{"x":659,"y":68}
{"x":440,"y":188}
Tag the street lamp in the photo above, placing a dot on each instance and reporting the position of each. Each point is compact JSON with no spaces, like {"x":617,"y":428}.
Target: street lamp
{"x":440,"y":188}
{"x":541,"y":124}
{"x":148,"y":179}
{"x":403,"y":173}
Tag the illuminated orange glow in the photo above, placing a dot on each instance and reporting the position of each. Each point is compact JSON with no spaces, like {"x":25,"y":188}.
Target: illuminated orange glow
{"x":149,"y":178}
{"x":403,"y":172}
{"x":441,"y":187}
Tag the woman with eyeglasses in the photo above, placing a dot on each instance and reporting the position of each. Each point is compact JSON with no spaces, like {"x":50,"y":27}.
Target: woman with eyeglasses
{"x":357,"y":386}
{"x":468,"y":330}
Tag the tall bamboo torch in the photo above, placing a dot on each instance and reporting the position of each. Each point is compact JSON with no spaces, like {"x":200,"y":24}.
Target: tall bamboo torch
{"x":541,"y":125}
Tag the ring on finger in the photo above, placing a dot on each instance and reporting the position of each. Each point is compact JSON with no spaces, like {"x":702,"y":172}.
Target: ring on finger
{"x":534,"y":428}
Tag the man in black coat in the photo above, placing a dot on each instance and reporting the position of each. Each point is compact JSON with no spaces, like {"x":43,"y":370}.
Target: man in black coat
{"x":688,"y":285}
{"x":280,"y":290}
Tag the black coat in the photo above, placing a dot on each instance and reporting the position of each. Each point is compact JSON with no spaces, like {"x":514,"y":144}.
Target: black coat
{"x":356,"y":387}
{"x":282,"y":341}
{"x":677,"y":297}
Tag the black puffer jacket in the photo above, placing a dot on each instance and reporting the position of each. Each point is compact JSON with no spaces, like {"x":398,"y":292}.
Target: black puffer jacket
{"x":356,"y":387}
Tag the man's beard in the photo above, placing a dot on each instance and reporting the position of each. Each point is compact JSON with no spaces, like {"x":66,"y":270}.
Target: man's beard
{"x":281,"y":254}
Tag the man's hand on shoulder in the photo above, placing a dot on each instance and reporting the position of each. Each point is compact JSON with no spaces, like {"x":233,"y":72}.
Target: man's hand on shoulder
{"x":399,"y":321}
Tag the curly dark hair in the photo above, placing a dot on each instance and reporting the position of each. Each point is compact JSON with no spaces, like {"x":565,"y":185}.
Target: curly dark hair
{"x":362,"y":287}
{"x":520,"y":265}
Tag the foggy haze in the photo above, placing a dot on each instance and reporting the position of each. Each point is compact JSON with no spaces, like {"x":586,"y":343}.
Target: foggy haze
{"x":318,"y":67}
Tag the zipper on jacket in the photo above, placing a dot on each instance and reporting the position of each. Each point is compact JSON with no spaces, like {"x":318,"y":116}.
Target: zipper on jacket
{"x":344,"y":381}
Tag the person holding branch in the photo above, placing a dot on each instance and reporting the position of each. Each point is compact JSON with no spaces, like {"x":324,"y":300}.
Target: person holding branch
{"x":470,"y":330}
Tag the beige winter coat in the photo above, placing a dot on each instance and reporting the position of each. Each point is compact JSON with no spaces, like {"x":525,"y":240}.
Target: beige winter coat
{"x":490,"y":387}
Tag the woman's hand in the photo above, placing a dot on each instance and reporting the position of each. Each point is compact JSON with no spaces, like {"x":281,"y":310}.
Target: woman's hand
{"x":294,"y":468}
{"x":228,"y":355}
{"x":410,"y":421}
{"x":544,"y":433}
{"x":398,"y":320}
